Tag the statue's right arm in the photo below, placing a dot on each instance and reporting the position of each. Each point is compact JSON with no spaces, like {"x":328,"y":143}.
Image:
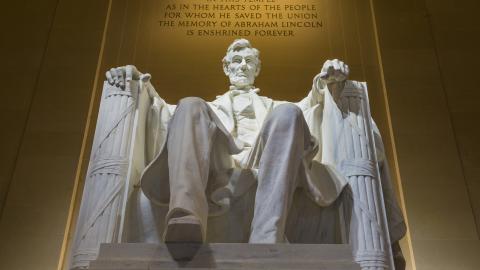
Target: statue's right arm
{"x":119,"y":77}
{"x":158,"y":113}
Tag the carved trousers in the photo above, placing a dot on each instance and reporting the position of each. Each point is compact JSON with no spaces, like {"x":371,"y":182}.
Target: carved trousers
{"x":284,"y":140}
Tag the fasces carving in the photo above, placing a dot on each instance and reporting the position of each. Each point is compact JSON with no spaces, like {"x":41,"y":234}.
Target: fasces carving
{"x":230,"y":170}
{"x":102,"y":203}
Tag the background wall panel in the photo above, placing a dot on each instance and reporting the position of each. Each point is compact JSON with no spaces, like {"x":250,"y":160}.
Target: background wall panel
{"x":50,"y":55}
{"x":425,"y":88}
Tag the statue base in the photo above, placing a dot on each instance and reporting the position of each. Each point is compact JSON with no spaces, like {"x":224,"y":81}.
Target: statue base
{"x":224,"y":256}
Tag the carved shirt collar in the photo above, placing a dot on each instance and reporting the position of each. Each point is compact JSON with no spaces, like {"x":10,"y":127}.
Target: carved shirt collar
{"x":235,"y":91}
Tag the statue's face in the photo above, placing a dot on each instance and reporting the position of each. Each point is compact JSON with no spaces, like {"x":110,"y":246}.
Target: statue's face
{"x":242,"y":68}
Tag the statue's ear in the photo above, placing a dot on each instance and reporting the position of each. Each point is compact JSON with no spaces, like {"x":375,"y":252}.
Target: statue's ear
{"x":259,"y":67}
{"x":225,"y":68}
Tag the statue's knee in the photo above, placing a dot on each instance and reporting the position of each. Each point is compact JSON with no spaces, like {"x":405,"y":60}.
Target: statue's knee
{"x":191,"y":101}
{"x":287,"y":114}
{"x":191,"y":104}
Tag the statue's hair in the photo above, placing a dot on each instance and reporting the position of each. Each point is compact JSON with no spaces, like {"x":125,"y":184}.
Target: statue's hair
{"x":238,"y":45}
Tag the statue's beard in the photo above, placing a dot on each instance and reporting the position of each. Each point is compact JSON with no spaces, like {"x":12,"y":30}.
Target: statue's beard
{"x":241,"y":82}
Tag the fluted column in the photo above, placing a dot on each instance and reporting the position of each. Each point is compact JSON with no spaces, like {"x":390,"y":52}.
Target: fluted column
{"x":102,"y":204}
{"x":368,"y":231}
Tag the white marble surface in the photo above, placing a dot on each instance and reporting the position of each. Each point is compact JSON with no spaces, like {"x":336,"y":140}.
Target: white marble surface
{"x":336,"y":111}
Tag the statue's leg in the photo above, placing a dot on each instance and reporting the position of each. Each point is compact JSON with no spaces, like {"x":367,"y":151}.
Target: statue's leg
{"x":190,"y":136}
{"x":285,"y":140}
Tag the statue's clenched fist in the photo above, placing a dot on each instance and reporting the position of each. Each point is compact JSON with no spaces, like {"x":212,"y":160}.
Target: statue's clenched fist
{"x":334,"y":71}
{"x":120,"y":75}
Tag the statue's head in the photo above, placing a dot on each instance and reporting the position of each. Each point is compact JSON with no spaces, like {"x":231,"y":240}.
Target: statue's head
{"x":241,"y":64}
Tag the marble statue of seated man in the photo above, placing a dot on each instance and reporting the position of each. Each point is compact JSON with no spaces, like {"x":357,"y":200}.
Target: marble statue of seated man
{"x":211,"y":152}
{"x":207,"y":160}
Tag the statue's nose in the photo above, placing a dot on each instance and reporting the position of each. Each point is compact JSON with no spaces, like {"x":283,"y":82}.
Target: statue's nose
{"x":244,"y":64}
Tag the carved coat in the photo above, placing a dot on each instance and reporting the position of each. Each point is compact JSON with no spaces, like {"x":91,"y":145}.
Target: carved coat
{"x":325,"y":170}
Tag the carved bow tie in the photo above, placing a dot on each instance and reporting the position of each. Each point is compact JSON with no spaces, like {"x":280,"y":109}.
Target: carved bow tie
{"x":235,"y":92}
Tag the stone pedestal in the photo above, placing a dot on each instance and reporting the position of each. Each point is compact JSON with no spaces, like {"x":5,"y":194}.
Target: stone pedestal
{"x":224,"y":256}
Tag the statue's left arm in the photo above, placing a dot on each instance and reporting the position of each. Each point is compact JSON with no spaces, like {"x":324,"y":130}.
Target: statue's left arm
{"x":333,"y":71}
{"x":338,"y":113}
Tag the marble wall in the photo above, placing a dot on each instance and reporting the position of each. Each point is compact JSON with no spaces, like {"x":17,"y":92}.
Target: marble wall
{"x":429,"y":64}
{"x":49,"y":53}
{"x":429,"y":48}
{"x":456,"y":32}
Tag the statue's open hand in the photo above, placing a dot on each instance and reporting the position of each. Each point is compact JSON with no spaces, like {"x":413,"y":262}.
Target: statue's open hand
{"x":120,"y":75}
{"x":334,"y":71}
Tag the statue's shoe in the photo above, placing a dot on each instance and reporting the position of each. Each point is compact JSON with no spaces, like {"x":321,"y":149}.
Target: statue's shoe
{"x":183,"y":230}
